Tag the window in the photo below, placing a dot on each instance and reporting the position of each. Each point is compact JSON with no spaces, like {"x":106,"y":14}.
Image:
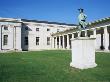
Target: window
{"x":5,"y":40}
{"x":58,"y":30}
{"x":37,"y":29}
{"x":26,"y":41}
{"x":26,"y":28}
{"x":48,"y":40}
{"x":37,"y":40}
{"x":5,"y":27}
{"x":48,"y":29}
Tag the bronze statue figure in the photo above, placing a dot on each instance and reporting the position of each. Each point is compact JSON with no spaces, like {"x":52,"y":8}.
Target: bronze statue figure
{"x":82,"y":19}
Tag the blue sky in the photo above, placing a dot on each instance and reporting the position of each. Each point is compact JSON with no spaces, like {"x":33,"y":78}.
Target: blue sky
{"x":54,"y":10}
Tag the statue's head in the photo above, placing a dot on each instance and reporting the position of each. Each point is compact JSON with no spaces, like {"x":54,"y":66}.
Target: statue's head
{"x":81,"y":10}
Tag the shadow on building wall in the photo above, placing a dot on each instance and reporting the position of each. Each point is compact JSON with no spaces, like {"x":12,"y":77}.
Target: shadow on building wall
{"x":25,"y":37}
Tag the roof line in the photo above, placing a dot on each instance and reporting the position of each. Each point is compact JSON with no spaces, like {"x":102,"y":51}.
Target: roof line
{"x":26,"y":20}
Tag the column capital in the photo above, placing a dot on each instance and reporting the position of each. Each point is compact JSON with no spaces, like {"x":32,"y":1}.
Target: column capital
{"x":59,"y":35}
{"x":93,"y":28}
{"x":98,"y":27}
{"x":105,"y":30}
{"x":86,"y":29}
{"x":82,"y":30}
{"x":73,"y":32}
{"x":66,"y":34}
{"x":105,"y":27}
{"x":94,"y":33}
{"x":77,"y":31}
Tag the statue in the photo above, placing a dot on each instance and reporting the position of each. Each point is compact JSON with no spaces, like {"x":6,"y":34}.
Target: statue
{"x":82,"y":22}
{"x":82,"y":19}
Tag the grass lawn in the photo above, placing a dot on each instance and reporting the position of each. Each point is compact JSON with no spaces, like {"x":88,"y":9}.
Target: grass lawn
{"x":50,"y":66}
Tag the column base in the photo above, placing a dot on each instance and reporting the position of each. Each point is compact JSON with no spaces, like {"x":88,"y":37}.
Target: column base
{"x":16,"y":50}
{"x":106,"y":50}
{"x":68,"y":47}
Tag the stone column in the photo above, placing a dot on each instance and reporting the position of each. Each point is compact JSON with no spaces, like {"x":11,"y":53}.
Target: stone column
{"x":106,"y":39}
{"x":85,"y":33}
{"x":94,"y":32}
{"x":68,"y":45}
{"x":0,"y":37}
{"x":79,"y":33}
{"x":14,"y":38}
{"x":17,"y":38}
{"x":63,"y":42}
{"x":52,"y":42}
{"x":72,"y":35}
{"x":56,"y":46}
{"x":59,"y":42}
{"x":94,"y":35}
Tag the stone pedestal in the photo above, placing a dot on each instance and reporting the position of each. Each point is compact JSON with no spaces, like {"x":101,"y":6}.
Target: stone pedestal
{"x":83,"y":53}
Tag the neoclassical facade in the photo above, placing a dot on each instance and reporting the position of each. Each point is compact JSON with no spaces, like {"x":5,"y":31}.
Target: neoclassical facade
{"x":23,"y":34}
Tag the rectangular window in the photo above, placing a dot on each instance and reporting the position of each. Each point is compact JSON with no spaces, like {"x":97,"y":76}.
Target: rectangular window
{"x":5,"y":27}
{"x":37,"y":40}
{"x":26,"y":41}
{"x":48,"y":29}
{"x":58,"y":30}
{"x":37,"y":29}
{"x":48,"y":40}
{"x":5,"y":40}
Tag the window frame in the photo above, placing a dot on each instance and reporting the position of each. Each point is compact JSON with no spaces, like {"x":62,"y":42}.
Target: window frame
{"x":5,"y":40}
{"x":48,"y":40}
{"x":26,"y":40}
{"x":37,"y":40}
{"x":58,"y":30}
{"x":37,"y":29}
{"x":48,"y":29}
{"x":5,"y":27}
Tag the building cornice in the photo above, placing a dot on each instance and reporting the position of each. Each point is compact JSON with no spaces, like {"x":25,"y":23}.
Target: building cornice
{"x":47,"y":22}
{"x":14,"y":20}
{"x":99,"y":21}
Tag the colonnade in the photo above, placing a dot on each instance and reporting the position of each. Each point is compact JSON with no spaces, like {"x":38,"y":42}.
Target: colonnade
{"x":63,"y":40}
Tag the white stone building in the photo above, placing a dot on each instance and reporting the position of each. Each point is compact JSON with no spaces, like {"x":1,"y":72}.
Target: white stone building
{"x":10,"y":34}
{"x":23,"y":34}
